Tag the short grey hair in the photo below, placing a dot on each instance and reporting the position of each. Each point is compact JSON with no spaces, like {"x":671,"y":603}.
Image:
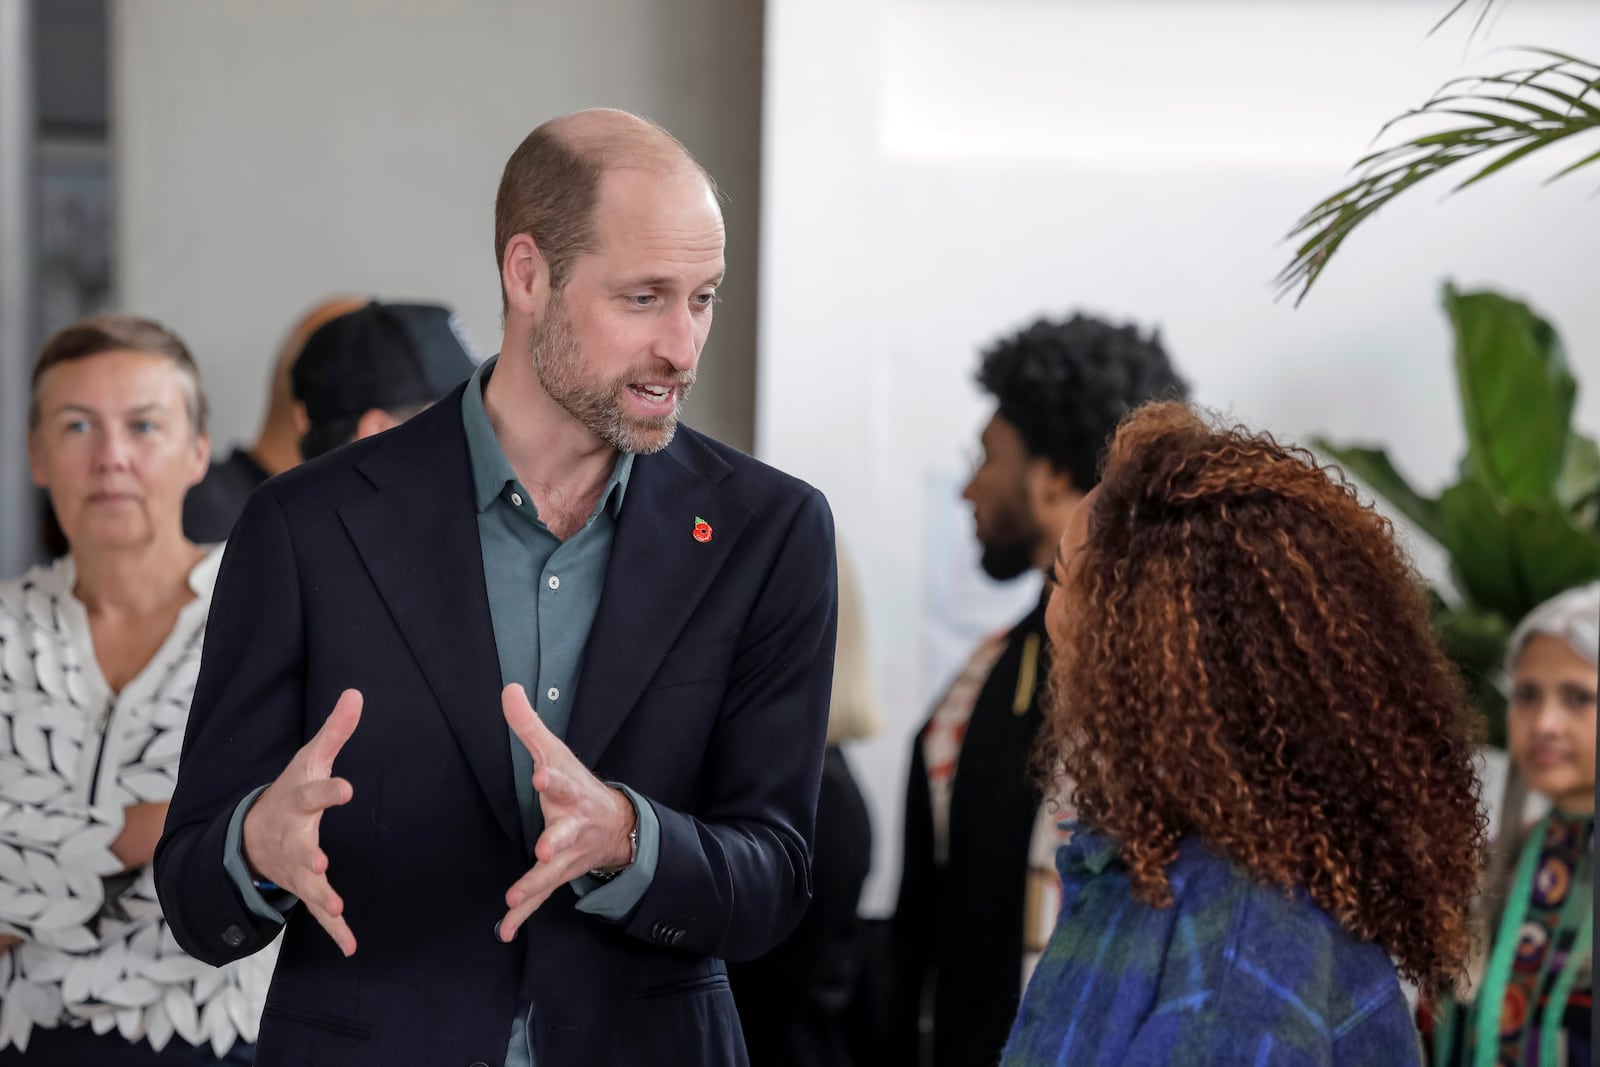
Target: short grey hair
{"x":1573,"y":617}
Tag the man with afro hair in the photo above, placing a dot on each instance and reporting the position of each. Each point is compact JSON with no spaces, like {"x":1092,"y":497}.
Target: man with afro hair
{"x":978,"y":888}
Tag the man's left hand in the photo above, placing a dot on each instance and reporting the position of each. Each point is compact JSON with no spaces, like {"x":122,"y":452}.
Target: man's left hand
{"x":586,"y":822}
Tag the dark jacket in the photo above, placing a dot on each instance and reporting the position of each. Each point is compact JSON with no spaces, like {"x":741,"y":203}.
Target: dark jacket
{"x":704,"y":686}
{"x":957,"y":933}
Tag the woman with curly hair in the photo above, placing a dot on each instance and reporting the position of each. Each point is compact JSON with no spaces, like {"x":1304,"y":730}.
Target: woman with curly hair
{"x":1272,"y":766}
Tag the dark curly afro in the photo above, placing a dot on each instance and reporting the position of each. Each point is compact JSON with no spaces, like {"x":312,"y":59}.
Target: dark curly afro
{"x":1066,"y":385}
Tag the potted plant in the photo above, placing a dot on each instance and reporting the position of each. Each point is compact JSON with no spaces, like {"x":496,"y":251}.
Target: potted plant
{"x":1522,"y":521}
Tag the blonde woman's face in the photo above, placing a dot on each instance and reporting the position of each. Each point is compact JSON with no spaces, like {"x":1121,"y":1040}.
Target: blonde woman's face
{"x":1551,"y":722}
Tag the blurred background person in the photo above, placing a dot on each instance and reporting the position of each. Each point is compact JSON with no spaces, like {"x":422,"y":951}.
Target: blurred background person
{"x":793,"y":1002}
{"x":210,"y":509}
{"x":976,"y":904}
{"x":1272,"y":765}
{"x":98,"y":656}
{"x":1529,"y":989}
{"x":373,"y":368}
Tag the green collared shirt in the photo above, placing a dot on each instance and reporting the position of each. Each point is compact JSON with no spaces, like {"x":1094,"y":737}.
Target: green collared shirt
{"x":543,"y":594}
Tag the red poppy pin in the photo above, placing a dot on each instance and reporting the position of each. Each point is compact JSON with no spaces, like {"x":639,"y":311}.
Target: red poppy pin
{"x":702,"y":530}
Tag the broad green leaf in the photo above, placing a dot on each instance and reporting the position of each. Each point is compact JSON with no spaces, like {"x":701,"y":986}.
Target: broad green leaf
{"x":1473,"y":638}
{"x":1553,"y":552}
{"x":1578,"y":485}
{"x":1516,"y":393}
{"x":1510,"y":557}
{"x":1477,"y":535}
{"x":1373,"y":467}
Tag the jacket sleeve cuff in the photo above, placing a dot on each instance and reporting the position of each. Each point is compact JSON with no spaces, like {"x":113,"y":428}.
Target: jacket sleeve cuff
{"x":278,"y":905}
{"x":616,"y":898}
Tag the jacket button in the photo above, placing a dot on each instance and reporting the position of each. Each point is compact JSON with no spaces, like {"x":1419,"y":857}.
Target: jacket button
{"x":677,"y":935}
{"x":233,"y":937}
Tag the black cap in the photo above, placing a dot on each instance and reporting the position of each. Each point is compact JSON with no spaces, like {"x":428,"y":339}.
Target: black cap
{"x":383,"y":356}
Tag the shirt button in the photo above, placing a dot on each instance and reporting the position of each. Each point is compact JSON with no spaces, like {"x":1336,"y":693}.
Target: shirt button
{"x":553,"y":693}
{"x":555,"y":583}
{"x":516,"y":499}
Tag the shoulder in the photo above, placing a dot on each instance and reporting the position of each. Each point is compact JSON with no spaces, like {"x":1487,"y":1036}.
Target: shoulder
{"x":30,"y":596}
{"x":429,"y":445}
{"x":203,"y":575}
{"x":720,"y":463}
{"x":1275,"y":954}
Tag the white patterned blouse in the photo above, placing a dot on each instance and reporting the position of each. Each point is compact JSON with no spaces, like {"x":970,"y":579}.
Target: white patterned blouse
{"x":73,"y":754}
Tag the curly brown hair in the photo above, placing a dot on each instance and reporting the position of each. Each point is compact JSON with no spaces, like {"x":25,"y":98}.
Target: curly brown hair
{"x":1244,"y":654}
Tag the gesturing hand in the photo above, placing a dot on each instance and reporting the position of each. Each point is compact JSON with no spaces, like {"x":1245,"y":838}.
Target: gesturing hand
{"x":282,"y":827}
{"x":586,"y":822}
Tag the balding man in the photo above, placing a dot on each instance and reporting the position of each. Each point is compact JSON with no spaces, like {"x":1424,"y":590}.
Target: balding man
{"x":460,"y":877}
{"x":211,"y":508}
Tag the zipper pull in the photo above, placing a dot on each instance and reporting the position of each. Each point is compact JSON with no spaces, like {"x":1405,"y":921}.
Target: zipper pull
{"x":104,"y":718}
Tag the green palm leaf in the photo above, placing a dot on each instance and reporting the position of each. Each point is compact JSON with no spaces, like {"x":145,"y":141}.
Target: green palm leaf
{"x":1510,"y":116}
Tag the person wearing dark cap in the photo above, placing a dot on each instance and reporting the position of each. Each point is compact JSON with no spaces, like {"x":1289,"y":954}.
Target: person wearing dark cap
{"x":210,"y":508}
{"x":370,"y":370}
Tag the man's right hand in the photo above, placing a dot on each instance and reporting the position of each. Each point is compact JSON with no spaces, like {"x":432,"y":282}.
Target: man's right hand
{"x":281,"y":828}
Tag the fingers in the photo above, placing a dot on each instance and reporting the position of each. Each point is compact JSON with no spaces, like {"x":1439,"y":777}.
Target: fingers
{"x":331,"y":919}
{"x":553,"y":786}
{"x":557,"y":840}
{"x":322,"y":749}
{"x":530,"y":891}
{"x":323,"y":793}
{"x":527,"y":725}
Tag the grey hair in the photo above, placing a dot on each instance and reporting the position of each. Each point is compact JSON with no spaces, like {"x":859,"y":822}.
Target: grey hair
{"x":1573,"y":617}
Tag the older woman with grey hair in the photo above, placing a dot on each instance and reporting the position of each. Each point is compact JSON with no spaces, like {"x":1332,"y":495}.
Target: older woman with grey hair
{"x":1532,"y":981}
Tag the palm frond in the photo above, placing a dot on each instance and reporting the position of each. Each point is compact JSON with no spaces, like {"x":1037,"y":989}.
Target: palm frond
{"x":1477,"y":25}
{"x":1507,"y":117}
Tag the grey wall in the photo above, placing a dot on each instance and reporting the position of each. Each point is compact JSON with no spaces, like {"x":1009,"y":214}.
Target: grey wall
{"x":269,"y":154}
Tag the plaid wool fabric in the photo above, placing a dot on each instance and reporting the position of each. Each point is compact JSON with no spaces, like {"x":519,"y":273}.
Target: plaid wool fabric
{"x":1233,"y":972}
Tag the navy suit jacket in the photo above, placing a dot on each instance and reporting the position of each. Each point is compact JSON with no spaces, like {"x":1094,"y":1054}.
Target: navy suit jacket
{"x":704,"y":686}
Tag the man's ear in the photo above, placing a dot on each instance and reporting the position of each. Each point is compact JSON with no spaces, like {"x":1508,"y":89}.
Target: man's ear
{"x":302,"y":421}
{"x":1048,"y":485}
{"x":524,"y":276}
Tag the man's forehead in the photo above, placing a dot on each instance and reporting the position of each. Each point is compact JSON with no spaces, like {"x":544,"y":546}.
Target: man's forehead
{"x":636,"y":199}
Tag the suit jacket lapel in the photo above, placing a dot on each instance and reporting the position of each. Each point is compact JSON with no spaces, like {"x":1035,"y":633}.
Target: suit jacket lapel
{"x":658,"y":574}
{"x":418,"y":536}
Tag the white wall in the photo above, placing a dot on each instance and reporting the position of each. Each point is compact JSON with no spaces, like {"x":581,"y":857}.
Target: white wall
{"x":268,"y":154}
{"x":935,"y":174}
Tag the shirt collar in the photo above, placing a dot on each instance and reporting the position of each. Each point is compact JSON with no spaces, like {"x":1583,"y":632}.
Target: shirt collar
{"x":491,"y":470}
{"x":1086,"y":852}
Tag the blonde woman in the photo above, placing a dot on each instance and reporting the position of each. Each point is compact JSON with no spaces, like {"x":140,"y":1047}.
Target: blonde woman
{"x":98,"y":657}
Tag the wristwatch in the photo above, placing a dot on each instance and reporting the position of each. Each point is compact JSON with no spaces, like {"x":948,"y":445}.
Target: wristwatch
{"x":633,"y":854}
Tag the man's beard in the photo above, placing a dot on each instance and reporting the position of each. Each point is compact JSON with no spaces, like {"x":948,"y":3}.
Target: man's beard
{"x":1012,"y":543}
{"x":558,"y":363}
{"x":1006,"y":561}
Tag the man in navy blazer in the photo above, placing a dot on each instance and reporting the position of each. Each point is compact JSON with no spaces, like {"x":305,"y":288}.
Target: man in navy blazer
{"x":463,"y":876}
